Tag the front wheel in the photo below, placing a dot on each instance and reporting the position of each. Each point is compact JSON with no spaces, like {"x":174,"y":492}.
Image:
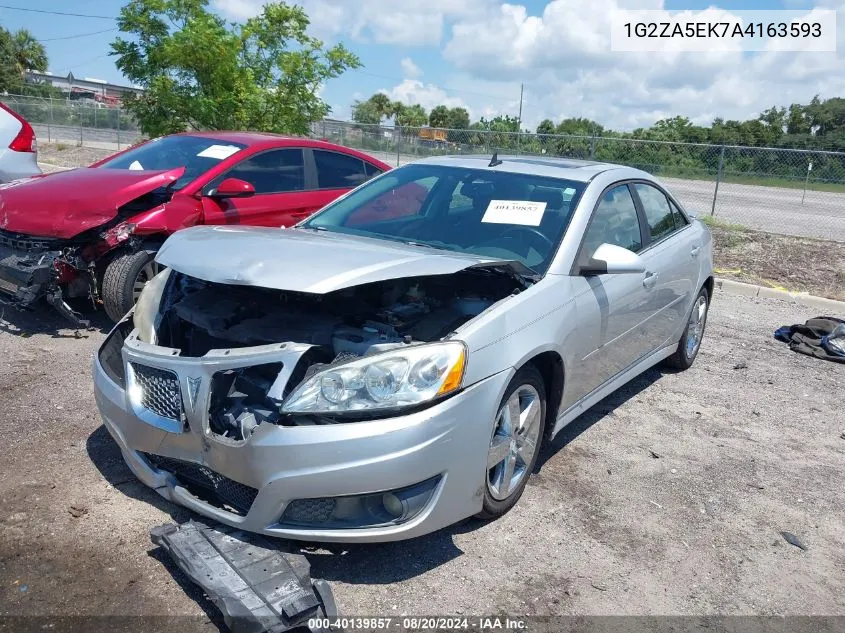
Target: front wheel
{"x":518,"y":430}
{"x":124,"y":279}
{"x":690,"y":341}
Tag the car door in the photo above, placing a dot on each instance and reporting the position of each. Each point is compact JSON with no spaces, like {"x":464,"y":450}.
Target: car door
{"x":336,"y":173}
{"x":671,"y":257}
{"x":611,"y":308}
{"x":281,"y":195}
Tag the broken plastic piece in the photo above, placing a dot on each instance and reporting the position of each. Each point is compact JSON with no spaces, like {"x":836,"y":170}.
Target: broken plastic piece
{"x":257,"y":587}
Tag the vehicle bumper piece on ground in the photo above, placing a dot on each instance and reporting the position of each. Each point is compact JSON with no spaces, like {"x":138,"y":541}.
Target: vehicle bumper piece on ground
{"x":435,"y":458}
{"x":255,"y":585}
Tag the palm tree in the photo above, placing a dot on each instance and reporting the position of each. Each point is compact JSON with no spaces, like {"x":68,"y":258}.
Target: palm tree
{"x":381,"y":104}
{"x":29,"y":53}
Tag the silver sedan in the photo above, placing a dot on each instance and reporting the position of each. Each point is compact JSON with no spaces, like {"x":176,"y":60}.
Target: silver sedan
{"x":393,"y":364}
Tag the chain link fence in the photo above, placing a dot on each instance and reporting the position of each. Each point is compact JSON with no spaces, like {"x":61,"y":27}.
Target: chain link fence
{"x":788,"y":191}
{"x":72,"y":122}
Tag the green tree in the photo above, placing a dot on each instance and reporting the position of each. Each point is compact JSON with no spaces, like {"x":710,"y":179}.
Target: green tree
{"x":458,"y":119}
{"x":366,"y":112}
{"x":547,"y":126}
{"x":796,"y":121}
{"x":439,"y":116}
{"x":201,"y":72}
{"x":410,"y":116}
{"x":9,"y":78}
{"x":29,"y":53}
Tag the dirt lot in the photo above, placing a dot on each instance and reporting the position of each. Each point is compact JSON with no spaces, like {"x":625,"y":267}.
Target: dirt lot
{"x":796,"y":264}
{"x":667,"y":498}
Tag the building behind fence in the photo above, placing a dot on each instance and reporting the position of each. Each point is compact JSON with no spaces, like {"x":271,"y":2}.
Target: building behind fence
{"x":791,"y":191}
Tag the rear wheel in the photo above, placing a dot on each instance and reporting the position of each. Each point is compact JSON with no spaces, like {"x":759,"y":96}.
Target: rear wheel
{"x":515,"y":443}
{"x":124,"y":279}
{"x":690,"y":342}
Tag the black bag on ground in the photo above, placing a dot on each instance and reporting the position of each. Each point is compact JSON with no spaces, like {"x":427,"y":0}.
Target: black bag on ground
{"x":822,"y":337}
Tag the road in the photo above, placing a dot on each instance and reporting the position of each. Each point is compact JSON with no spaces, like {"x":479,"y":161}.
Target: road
{"x":667,"y":498}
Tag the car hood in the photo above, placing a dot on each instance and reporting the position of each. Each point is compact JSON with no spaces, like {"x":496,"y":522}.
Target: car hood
{"x":67,"y":203}
{"x":302,"y":260}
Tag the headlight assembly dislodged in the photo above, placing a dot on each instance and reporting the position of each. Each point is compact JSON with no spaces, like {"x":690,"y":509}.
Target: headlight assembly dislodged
{"x":146,"y":308}
{"x":399,"y":378}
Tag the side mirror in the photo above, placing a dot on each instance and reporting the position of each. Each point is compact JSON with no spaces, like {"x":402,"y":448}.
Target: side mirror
{"x":610,"y":259}
{"x":233,"y":188}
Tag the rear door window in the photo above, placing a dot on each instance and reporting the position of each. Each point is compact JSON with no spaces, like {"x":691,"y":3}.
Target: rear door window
{"x":339,"y":171}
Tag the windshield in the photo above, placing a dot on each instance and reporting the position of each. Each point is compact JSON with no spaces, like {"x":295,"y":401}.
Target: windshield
{"x":490,"y":213}
{"x":195,"y":153}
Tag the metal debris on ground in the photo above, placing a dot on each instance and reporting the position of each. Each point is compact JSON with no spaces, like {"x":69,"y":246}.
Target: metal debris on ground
{"x":790,"y":538}
{"x":822,"y":337}
{"x":257,"y":587}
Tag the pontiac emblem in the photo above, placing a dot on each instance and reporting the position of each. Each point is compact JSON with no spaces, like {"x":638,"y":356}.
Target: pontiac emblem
{"x":193,"y":391}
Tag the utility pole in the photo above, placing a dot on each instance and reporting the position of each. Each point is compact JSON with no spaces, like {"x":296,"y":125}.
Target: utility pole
{"x":519,"y":120}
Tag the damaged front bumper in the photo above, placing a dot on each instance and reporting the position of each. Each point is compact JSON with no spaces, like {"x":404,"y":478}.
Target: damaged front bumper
{"x":28,"y":275}
{"x":365,"y":481}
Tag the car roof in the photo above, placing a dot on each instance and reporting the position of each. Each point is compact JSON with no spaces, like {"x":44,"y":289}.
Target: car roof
{"x":551,"y":166}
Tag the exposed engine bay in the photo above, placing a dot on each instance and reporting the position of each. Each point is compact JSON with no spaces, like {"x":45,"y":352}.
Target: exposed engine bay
{"x":199,"y":316}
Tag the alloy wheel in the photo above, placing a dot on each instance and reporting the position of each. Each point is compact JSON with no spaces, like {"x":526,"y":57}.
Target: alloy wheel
{"x":514,"y":442}
{"x":695,"y":326}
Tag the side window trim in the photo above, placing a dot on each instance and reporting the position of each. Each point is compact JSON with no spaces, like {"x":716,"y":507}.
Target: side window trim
{"x":221,"y":177}
{"x":573,"y":271}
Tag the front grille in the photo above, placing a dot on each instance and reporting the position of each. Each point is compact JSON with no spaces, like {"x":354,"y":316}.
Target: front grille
{"x":206,"y":484}
{"x":21,"y":242}
{"x":159,"y":391}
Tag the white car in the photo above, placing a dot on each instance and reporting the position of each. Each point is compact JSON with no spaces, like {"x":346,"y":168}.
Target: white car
{"x":18,"y":151}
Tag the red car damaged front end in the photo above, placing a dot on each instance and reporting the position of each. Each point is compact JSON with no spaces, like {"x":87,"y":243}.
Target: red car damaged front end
{"x":56,"y":230}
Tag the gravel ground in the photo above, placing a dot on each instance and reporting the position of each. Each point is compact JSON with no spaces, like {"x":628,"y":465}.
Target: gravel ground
{"x":667,"y":498}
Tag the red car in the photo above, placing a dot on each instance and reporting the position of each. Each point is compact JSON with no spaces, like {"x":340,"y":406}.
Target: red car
{"x":93,"y":232}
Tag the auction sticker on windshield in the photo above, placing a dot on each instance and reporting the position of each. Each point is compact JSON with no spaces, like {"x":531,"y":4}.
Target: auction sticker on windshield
{"x":219,"y":152}
{"x":524,"y":212}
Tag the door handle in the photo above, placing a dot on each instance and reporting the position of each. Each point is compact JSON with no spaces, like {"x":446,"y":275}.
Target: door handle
{"x":649,"y":280}
{"x":695,"y":250}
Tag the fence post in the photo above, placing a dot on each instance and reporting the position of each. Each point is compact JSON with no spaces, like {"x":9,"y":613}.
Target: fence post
{"x":118,"y":129}
{"x":593,"y":147}
{"x":718,"y":180}
{"x":398,"y":133}
{"x":50,"y":124}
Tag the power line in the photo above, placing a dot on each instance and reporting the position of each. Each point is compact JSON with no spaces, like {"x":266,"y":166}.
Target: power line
{"x":73,"y":15}
{"x":71,"y":37}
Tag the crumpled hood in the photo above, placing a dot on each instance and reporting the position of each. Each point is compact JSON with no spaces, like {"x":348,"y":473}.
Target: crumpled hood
{"x":302,"y":260}
{"x":67,"y":203}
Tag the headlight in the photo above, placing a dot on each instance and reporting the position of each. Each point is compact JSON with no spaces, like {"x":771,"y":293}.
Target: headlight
{"x":146,"y":308}
{"x":399,"y":378}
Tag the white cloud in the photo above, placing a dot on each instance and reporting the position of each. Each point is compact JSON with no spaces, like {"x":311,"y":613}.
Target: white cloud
{"x":408,"y":23}
{"x":427,"y":95}
{"x":410,"y":69}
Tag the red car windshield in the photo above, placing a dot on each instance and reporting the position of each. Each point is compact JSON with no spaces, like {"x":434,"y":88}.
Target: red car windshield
{"x":195,"y":153}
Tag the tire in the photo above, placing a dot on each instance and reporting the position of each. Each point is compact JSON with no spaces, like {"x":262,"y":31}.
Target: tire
{"x":123,"y":280}
{"x":519,"y":451}
{"x":688,"y":347}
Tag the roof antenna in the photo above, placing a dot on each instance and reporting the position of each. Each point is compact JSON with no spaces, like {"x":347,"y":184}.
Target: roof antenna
{"x":495,"y":160}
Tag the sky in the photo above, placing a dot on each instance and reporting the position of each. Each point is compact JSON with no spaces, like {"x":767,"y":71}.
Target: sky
{"x":477,"y":53}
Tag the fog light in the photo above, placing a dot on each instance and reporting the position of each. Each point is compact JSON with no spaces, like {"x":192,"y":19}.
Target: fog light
{"x":392,"y":504}
{"x":360,"y":511}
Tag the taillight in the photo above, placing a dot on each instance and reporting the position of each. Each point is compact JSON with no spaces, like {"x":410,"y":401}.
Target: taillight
{"x":25,"y":140}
